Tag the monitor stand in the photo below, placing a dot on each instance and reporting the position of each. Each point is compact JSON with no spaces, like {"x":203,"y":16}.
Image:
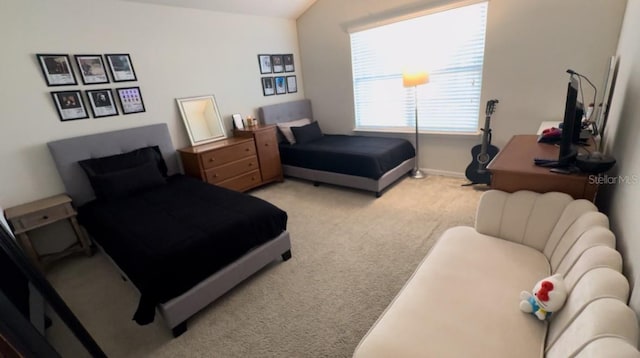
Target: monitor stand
{"x":566,"y":162}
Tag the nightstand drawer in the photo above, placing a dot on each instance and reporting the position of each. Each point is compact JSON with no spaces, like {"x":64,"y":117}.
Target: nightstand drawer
{"x":223,"y":172}
{"x":41,"y":218}
{"x":228,"y":154}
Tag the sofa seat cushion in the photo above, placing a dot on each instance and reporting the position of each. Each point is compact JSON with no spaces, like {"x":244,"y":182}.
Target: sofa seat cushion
{"x":462,"y":301}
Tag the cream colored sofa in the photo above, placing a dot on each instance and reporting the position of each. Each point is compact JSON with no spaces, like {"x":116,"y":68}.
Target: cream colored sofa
{"x":463,"y":300}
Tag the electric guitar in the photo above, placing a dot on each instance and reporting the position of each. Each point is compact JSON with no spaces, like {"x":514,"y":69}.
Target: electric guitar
{"x":482,"y":154}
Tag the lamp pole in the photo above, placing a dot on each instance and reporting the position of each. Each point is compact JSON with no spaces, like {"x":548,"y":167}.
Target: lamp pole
{"x":416,"y":173}
{"x":414,"y":79}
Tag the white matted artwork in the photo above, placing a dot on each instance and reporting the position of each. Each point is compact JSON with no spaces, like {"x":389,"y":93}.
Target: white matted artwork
{"x":56,"y":69}
{"x":130,"y":100}
{"x":265,"y":63}
{"x":102,"y":103}
{"x":268,"y":87}
{"x":292,"y":84}
{"x":92,"y":69}
{"x":69,"y":105}
{"x":281,"y":86}
{"x":121,"y":67}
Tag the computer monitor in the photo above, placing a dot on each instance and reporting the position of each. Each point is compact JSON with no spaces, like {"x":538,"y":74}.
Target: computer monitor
{"x":572,"y":123}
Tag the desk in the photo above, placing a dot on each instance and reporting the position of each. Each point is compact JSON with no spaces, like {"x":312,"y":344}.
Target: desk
{"x":513,"y":169}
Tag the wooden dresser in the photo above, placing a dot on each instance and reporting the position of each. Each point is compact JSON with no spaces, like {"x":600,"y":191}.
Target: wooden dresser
{"x":267,"y":149}
{"x":239,"y":163}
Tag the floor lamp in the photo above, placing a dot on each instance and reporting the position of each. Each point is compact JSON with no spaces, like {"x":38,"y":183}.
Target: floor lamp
{"x":414,"y":79}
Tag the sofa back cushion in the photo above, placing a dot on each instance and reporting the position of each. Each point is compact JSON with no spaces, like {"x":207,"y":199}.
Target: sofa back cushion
{"x":572,"y":247}
{"x":524,"y":217}
{"x":577,"y":219}
{"x":591,"y":258}
{"x":552,"y":223}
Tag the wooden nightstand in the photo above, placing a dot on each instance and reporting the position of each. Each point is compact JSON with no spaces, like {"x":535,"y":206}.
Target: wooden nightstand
{"x":40,"y":213}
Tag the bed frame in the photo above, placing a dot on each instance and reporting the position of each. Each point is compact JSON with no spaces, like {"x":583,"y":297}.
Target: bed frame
{"x":289,"y":111}
{"x":66,"y":154}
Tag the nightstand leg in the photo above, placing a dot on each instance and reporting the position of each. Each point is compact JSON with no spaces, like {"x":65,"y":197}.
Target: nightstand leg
{"x":31,"y":252}
{"x":80,"y":235}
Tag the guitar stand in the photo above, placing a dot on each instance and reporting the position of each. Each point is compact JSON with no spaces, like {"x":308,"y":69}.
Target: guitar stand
{"x":473,"y":183}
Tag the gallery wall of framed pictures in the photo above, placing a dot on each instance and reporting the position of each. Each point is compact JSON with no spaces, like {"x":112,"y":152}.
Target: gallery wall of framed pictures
{"x":58,"y":70}
{"x":281,"y":66}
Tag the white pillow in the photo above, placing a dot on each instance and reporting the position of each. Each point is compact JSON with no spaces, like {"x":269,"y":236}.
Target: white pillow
{"x":285,"y":128}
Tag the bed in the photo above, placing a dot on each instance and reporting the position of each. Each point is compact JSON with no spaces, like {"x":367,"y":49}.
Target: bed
{"x":361,"y":162}
{"x":181,"y":242}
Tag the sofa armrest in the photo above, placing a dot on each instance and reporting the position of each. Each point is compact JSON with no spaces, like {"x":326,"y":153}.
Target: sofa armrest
{"x":594,"y":285}
{"x":602,"y":318}
{"x":609,"y":347}
{"x":524,"y":217}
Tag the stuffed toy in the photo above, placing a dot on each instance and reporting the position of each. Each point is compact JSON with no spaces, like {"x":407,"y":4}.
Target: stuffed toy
{"x":548,"y":296}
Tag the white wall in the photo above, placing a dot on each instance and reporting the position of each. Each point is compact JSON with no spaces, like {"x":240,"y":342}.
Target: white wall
{"x":529,"y":45}
{"x":622,"y":200}
{"x":176,"y":52}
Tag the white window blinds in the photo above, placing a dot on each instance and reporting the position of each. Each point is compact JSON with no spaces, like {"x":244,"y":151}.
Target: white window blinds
{"x":448,"y":44}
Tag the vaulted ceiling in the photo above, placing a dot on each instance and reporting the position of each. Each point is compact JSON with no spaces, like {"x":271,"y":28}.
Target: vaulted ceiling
{"x":289,"y":9}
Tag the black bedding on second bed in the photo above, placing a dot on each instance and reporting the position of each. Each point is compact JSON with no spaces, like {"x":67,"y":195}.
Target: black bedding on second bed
{"x":170,"y":237}
{"x":363,"y":156}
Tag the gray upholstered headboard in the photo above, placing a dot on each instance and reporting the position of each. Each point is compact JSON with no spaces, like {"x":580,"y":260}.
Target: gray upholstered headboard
{"x":67,"y":152}
{"x":285,"y":112}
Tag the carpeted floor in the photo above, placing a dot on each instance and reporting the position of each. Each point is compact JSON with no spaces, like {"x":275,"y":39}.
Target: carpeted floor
{"x":351,"y":254}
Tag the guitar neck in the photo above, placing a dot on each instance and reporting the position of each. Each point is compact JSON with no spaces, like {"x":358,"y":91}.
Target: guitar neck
{"x":486,"y":135}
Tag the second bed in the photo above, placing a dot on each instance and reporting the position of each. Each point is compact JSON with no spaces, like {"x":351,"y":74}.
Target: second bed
{"x":361,"y":162}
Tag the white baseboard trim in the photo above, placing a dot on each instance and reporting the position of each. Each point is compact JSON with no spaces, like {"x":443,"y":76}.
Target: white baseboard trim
{"x":444,"y":173}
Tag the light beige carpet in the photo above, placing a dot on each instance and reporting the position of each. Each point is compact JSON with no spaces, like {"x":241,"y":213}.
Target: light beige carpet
{"x":351,"y":254}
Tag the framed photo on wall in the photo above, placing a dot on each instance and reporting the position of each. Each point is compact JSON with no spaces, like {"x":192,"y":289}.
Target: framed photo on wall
{"x":268,"y":87}
{"x":265,"y":63}
{"x":56,"y":69}
{"x":288,"y":63}
{"x":91,"y":69}
{"x":292,"y":84}
{"x":69,"y":105}
{"x":281,"y":87}
{"x":276,"y":62}
{"x":130,"y":100}
{"x":121,"y":67}
{"x":102,"y":103}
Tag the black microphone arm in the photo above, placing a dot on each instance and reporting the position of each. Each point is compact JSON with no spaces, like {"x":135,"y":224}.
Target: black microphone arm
{"x":595,"y":91}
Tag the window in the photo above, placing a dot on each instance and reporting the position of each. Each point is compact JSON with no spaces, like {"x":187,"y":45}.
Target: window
{"x":447,"y":44}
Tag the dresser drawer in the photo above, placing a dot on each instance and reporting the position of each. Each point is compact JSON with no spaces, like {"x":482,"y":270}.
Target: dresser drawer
{"x":243,"y":182}
{"x":226,"y":171}
{"x":227,"y":154}
{"x":41,"y":217}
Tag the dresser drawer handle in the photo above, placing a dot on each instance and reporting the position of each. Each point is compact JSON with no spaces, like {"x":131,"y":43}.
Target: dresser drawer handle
{"x":212,"y":159}
{"x":266,"y":144}
{"x":247,"y":149}
{"x":45,"y":217}
{"x":250,"y":164}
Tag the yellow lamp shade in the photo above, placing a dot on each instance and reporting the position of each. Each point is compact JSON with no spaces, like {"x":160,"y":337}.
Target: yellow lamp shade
{"x":410,"y":79}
